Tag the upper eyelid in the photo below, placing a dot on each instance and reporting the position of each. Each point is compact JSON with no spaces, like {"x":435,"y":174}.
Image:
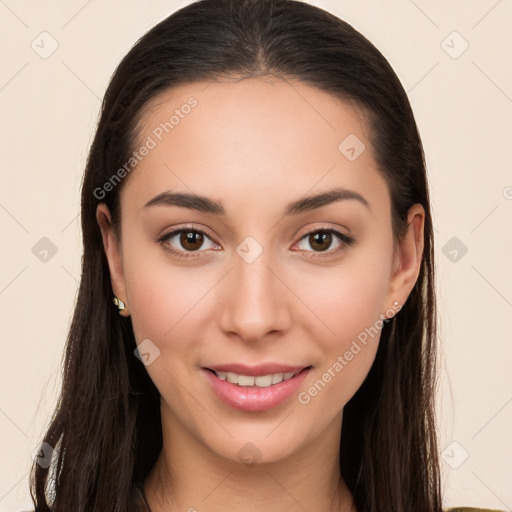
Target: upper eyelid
{"x":327,"y":228}
{"x":175,"y":231}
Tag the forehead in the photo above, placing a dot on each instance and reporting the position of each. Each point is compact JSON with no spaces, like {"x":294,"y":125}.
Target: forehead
{"x":217,"y":138}
{"x":251,"y":102}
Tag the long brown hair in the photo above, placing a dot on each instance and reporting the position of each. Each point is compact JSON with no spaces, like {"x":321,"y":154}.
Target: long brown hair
{"x":106,"y":429}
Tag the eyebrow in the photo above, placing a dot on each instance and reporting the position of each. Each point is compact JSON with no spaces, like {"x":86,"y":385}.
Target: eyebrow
{"x":207,"y":205}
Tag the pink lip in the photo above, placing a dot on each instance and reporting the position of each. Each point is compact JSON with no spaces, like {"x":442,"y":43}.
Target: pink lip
{"x":254,"y":371}
{"x":253,"y":398}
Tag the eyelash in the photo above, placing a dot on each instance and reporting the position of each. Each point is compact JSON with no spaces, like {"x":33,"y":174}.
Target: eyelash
{"x":346,"y":241}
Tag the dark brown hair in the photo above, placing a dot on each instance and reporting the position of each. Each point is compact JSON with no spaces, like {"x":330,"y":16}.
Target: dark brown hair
{"x":106,"y":429}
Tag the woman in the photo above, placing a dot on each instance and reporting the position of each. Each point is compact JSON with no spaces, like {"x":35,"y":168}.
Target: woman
{"x":255,"y":327}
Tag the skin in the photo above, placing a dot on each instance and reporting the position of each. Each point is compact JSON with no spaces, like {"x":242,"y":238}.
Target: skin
{"x":255,"y":145}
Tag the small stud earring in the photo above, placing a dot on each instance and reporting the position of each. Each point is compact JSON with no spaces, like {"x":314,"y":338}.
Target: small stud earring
{"x":119,"y":303}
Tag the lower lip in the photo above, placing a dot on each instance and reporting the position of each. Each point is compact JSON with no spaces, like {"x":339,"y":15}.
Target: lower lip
{"x":253,"y":398}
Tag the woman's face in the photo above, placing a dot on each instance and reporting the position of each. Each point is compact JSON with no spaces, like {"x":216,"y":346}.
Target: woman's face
{"x":267,"y":283}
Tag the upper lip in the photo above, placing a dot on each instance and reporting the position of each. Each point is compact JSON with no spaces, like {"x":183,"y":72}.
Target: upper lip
{"x":256,"y":370}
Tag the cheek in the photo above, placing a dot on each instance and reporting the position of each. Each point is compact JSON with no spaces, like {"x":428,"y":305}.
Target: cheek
{"x":168,"y":303}
{"x":165,"y":307}
{"x":349,"y":297}
{"x":348,"y":351}
{"x":348,"y":304}
{"x":164,"y":301}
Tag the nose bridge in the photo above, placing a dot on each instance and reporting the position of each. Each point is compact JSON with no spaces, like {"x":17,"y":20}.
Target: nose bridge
{"x":255,"y":302}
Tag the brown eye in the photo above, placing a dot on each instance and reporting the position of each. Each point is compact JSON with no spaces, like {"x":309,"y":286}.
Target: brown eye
{"x":183,"y":242}
{"x":321,"y":240}
{"x":191,"y":240}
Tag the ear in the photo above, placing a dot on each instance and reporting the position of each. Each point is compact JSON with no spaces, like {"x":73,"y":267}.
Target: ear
{"x":407,"y":258}
{"x":114,"y":255}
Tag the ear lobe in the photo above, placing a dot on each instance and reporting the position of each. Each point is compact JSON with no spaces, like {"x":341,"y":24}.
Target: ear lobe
{"x":408,"y":257}
{"x":113,"y":253}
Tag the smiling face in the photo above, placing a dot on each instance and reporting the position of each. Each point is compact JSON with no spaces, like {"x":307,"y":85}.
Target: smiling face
{"x":259,"y":274}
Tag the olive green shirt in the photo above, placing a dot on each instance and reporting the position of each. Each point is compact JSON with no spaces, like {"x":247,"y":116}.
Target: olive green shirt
{"x":471,"y":509}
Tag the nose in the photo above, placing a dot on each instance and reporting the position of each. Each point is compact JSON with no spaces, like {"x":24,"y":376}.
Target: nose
{"x":254,"y":303}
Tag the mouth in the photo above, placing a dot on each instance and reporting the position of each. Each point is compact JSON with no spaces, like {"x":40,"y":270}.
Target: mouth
{"x":252,"y":389}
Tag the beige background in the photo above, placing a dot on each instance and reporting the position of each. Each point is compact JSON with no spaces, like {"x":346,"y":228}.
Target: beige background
{"x":463,"y":106}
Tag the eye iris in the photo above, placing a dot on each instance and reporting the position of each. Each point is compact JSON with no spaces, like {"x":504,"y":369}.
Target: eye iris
{"x":321,"y":236}
{"x":188,"y":237}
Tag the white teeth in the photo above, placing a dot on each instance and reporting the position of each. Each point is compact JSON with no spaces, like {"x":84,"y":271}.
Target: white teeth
{"x":245,"y":380}
{"x":261,"y":381}
{"x":277,"y":378}
{"x":231,"y":377}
